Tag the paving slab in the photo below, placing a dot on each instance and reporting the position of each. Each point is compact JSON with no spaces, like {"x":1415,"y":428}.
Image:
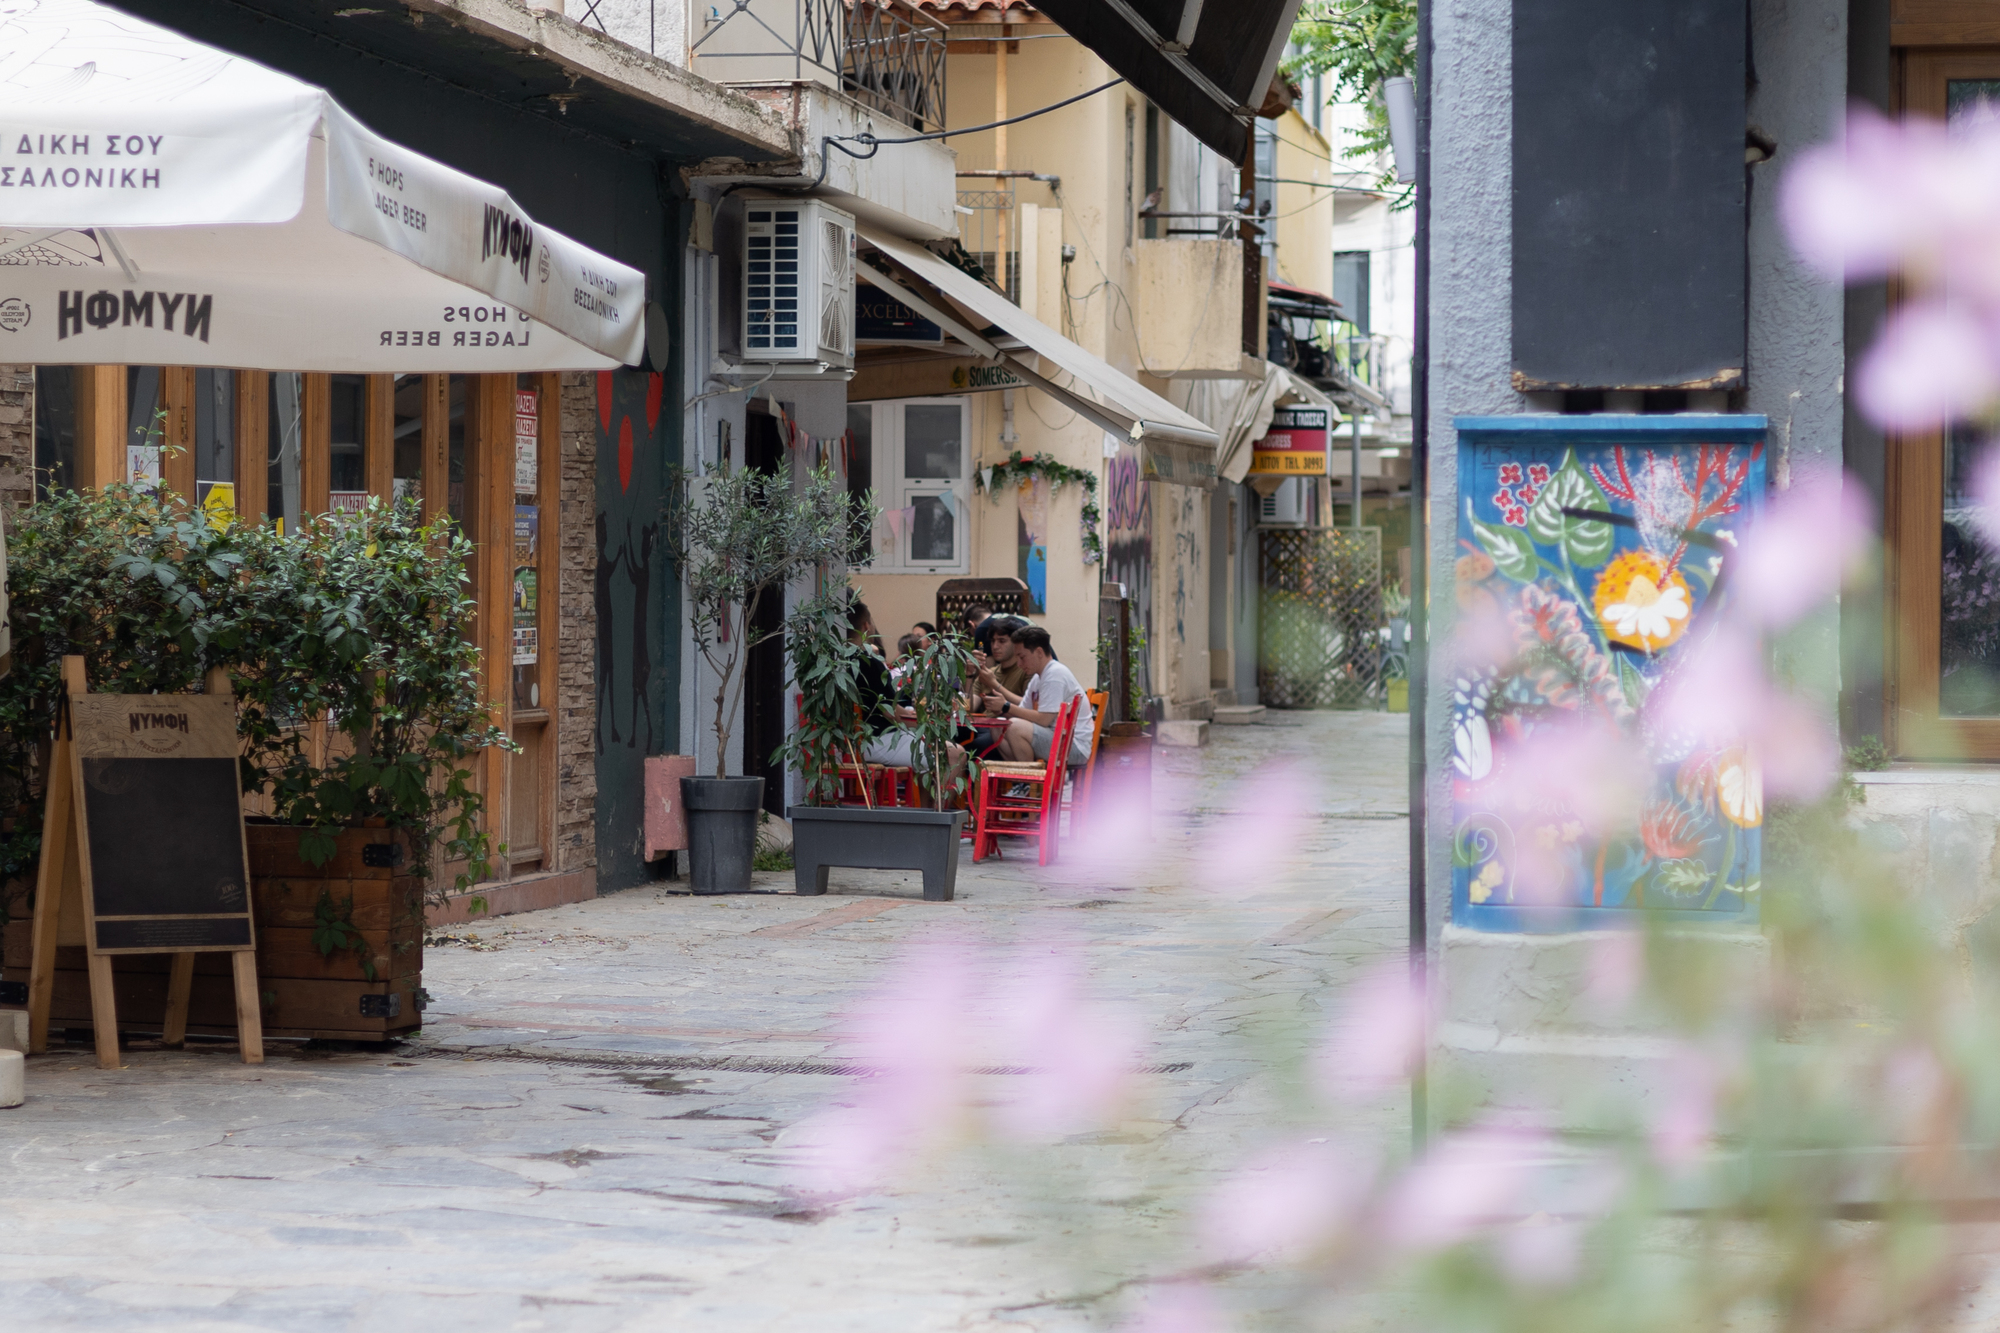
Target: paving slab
{"x":595,"y":1128}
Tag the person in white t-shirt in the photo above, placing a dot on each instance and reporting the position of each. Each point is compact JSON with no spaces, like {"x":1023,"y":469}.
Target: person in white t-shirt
{"x":1031,"y":718}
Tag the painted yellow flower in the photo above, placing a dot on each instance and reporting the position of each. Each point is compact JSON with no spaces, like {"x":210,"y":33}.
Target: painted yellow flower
{"x":1486,"y":881}
{"x":1641,"y":603}
{"x":1739,"y":788}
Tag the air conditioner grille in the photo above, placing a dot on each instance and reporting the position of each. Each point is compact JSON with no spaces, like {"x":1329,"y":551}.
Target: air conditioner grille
{"x":771,"y":280}
{"x":836,"y":312}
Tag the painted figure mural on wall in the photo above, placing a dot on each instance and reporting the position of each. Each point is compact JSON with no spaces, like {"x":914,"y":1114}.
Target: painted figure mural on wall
{"x":633,"y":592}
{"x":1590,"y":566}
{"x":1031,"y":542}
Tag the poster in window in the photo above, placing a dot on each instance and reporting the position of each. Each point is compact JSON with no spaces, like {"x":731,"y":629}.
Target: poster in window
{"x":527,"y":606}
{"x":142,"y":467}
{"x":527,"y":533}
{"x":527,"y":431}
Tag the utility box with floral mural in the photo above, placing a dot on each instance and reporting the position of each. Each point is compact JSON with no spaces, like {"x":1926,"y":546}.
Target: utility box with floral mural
{"x":1593,"y":557}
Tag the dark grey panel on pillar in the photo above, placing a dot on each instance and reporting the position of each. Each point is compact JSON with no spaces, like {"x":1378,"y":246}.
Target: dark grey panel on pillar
{"x":1629,"y":219}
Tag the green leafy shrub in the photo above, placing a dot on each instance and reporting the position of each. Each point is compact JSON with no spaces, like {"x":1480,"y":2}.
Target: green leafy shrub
{"x":358,"y":621}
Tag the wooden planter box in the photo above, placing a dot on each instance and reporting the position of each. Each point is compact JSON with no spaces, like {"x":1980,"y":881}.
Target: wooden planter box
{"x":304,"y":994}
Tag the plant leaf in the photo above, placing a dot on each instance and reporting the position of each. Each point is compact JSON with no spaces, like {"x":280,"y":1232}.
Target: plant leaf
{"x":1586,"y":541}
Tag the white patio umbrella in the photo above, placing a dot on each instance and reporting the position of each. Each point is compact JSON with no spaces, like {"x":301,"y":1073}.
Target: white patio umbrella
{"x":163,"y":202}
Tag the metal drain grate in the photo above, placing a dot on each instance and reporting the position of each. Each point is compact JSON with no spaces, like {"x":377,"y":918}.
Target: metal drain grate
{"x":618,"y":1062}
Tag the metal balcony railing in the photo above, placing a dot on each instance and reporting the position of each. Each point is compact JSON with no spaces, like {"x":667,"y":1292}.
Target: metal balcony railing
{"x":989,"y":227}
{"x":886,"y":54}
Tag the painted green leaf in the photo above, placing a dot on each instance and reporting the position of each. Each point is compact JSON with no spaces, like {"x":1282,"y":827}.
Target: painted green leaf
{"x":1510,"y":548}
{"x":1685,"y":878}
{"x":1631,"y":682}
{"x":1586,"y":541}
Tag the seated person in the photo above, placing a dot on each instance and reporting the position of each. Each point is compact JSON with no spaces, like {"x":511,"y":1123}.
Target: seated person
{"x":998,"y":656}
{"x":887,"y":744}
{"x":1031,"y":719}
{"x":906,"y":647}
{"x":974,"y":615}
{"x":922,"y":632}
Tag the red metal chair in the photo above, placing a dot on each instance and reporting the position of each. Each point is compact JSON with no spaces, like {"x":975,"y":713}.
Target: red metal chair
{"x":1037,"y":815}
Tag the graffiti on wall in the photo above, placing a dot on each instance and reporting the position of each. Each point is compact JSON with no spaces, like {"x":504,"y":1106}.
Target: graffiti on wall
{"x":1586,"y":575}
{"x":1128,"y":544}
{"x":632,"y":589}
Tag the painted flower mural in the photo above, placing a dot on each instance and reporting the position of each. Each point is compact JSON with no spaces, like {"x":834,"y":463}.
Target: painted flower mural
{"x":1593,"y":558}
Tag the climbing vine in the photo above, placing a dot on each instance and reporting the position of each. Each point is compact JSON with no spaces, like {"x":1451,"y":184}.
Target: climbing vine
{"x":993,"y":478}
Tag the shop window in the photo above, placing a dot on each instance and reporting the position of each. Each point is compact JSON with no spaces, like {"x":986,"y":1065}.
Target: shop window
{"x":1943,"y":700}
{"x":55,"y":429}
{"x":347,"y":442}
{"x":406,"y":431}
{"x":215,"y":440}
{"x":145,"y":426}
{"x":455,"y":449}
{"x":919,"y":464}
{"x":285,"y":444}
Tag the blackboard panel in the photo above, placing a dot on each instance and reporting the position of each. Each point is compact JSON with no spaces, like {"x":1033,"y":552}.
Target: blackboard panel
{"x":1628,"y":192}
{"x":166,"y":837}
{"x":174,"y":934}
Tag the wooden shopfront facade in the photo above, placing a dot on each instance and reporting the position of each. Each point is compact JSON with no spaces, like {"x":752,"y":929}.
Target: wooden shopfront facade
{"x":287,"y":447}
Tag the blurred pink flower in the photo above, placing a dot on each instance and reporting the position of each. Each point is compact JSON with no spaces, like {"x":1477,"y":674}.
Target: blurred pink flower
{"x":1617,"y":970}
{"x":1683,"y":1124}
{"x":1177,"y":1307}
{"x":1286,"y":1202}
{"x":1377,"y":1042}
{"x":1933,"y":363}
{"x":1080,"y":1056}
{"x":1796,"y":552}
{"x":916,"y":1031}
{"x":1913,"y":1085}
{"x":1541,"y":1251}
{"x":1249,"y":848}
{"x":1720,"y":696}
{"x":1903,"y":196}
{"x":1466,"y":1181}
{"x":1577,"y":776}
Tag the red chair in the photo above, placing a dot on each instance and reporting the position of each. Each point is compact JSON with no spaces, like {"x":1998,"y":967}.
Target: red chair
{"x":1037,"y":815}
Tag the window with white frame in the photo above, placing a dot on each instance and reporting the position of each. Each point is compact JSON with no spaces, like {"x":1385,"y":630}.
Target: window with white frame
{"x":920,"y":469}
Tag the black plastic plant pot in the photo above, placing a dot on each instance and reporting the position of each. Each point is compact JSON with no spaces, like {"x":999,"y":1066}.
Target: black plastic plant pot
{"x":722,"y":831}
{"x":824,"y":836}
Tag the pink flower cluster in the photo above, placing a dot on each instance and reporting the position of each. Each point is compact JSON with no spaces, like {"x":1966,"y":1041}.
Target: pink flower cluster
{"x":967,"y":1041}
{"x":1518,"y":491}
{"x":1913,"y":199}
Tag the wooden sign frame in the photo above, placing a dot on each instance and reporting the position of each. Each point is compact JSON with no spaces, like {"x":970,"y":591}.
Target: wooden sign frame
{"x":106,"y":726}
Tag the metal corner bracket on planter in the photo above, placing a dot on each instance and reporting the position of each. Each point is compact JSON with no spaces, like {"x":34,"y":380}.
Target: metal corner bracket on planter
{"x":824,"y":836}
{"x":722,"y":831}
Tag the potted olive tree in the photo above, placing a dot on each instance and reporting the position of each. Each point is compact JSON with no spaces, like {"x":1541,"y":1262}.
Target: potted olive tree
{"x":826,"y":666}
{"x":740,"y":537}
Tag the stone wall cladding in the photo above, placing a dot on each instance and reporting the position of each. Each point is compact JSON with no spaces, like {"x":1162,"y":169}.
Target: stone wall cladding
{"x":17,"y":436}
{"x":576,"y":631}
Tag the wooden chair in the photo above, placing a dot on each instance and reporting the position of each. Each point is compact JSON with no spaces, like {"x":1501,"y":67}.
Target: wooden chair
{"x":1037,"y":815}
{"x":1079,"y":801}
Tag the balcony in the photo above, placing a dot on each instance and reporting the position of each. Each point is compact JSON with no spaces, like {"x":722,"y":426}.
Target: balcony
{"x":887,"y":55}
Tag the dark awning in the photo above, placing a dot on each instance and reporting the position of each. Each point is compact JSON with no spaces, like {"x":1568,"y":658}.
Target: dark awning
{"x":1206,"y":63}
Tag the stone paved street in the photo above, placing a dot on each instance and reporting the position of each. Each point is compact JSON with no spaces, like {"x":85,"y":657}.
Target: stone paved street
{"x":592,"y":1130}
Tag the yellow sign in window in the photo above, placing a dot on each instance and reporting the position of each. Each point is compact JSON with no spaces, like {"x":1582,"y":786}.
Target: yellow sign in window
{"x":1288,"y":463}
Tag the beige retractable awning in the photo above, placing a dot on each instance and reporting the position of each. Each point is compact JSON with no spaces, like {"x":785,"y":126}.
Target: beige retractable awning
{"x":1175,"y":446}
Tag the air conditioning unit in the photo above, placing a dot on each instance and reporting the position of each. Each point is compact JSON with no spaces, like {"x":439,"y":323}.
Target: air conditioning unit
{"x":798,"y":281}
{"x":1288,"y":506}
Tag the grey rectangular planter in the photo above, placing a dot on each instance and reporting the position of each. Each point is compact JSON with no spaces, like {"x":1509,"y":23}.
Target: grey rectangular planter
{"x":824,"y":836}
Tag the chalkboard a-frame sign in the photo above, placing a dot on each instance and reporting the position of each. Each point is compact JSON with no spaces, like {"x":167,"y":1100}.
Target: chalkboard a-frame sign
{"x":143,"y":852}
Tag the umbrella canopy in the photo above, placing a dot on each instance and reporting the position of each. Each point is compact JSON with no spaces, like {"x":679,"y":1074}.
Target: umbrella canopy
{"x":165,"y":202}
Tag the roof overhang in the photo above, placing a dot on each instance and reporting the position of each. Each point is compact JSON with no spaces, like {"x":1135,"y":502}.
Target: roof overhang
{"x":1206,"y":63}
{"x":1175,"y":446}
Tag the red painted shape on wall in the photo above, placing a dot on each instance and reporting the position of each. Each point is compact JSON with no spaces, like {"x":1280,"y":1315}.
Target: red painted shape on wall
{"x":604,"y":399}
{"x":625,"y":454}
{"x":655,"y":387}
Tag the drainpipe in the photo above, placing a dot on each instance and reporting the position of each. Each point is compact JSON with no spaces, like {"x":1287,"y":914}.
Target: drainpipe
{"x":1354,"y":421}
